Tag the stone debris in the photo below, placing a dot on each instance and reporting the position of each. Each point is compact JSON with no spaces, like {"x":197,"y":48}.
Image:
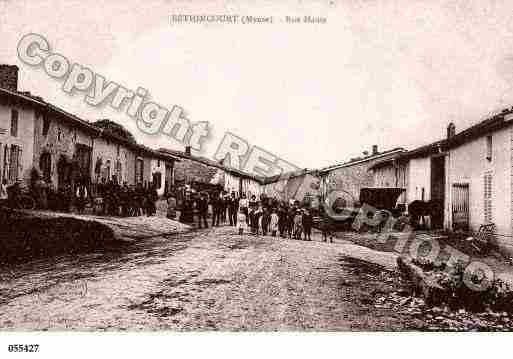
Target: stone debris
{"x":444,"y":318}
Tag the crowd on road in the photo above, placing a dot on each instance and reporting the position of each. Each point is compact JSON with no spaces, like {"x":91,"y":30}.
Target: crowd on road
{"x":104,"y":198}
{"x":257,"y":216}
{"x":262,"y":216}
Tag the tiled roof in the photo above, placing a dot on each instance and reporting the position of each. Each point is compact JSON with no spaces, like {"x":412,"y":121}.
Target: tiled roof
{"x":209,"y":162}
{"x":85,"y":125}
{"x":361,"y":159}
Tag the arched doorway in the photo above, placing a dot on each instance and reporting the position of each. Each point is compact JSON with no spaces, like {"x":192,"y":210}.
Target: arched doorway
{"x":63,"y":172}
{"x":45,"y":165}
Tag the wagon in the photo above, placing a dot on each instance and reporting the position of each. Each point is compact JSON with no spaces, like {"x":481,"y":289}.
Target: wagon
{"x":344,"y":210}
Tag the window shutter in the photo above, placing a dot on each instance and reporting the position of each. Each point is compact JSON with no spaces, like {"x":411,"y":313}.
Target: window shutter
{"x":488,"y":198}
{"x":14,"y":123}
{"x":6,"y":162}
{"x":19,"y":162}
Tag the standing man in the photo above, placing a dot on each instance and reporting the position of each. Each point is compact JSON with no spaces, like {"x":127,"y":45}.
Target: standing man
{"x":216,"y":209}
{"x":233,"y":207}
{"x":307,"y":224}
{"x":202,"y":210}
{"x":224,"y":206}
{"x":81,"y":196}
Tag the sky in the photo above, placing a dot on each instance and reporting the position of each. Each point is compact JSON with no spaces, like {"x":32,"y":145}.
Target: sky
{"x":390,"y":73}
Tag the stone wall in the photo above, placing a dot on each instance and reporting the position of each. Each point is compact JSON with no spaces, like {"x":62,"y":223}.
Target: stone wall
{"x":188,"y":170}
{"x":351,"y":177}
{"x":59,"y":141}
{"x":296,"y":188}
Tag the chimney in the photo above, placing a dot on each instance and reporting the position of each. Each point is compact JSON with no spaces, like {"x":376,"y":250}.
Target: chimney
{"x":188,"y":150}
{"x":9,"y":77}
{"x":374,"y":149}
{"x":365,"y":153}
{"x":451,"y":130}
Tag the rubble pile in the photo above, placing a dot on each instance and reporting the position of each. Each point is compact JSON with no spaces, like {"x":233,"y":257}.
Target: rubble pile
{"x":444,"y":318}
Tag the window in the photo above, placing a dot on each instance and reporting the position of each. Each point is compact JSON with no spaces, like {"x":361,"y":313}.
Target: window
{"x":488,"y":218}
{"x":157,"y":179}
{"x":14,"y":123}
{"x":119,"y":171}
{"x":489,"y":148}
{"x":59,"y":134}
{"x":14,"y":162}
{"x":6,"y":162}
{"x":46,"y":125}
{"x":139,"y":164}
{"x":158,"y":163}
{"x":117,"y":150}
{"x":106,"y":173}
{"x":45,"y":165}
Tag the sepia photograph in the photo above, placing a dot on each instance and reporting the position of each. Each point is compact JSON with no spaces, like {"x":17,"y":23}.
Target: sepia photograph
{"x":277,"y":174}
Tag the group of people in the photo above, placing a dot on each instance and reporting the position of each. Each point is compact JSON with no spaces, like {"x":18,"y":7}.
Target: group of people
{"x":109,"y":197}
{"x":224,"y":208}
{"x":124,"y":200}
{"x":281,"y":218}
{"x":266,"y":216}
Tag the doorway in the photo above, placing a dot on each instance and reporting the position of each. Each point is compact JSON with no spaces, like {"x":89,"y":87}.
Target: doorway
{"x":437,"y":191}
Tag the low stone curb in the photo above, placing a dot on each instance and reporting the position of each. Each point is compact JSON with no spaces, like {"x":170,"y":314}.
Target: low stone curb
{"x":423,"y":285}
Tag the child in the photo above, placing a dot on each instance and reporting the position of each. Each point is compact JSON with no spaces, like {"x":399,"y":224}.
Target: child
{"x":274,"y":223}
{"x":298,"y":218}
{"x":241,"y":221}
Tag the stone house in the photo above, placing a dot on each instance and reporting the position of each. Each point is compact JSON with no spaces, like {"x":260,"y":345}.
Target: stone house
{"x":63,"y":146}
{"x":162,"y":171}
{"x":36,"y":134}
{"x":18,"y":112}
{"x":479,"y":177}
{"x":202,"y":172}
{"x":349,"y":177}
{"x":302,"y":185}
{"x":66,"y":149}
{"x":420,"y":172}
{"x":468,"y":173}
{"x":119,"y":157}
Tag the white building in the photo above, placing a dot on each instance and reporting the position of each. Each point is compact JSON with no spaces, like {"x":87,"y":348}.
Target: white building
{"x":480,"y":178}
{"x":18,"y":112}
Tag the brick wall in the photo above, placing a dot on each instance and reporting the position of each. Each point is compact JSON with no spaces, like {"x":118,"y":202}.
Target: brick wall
{"x":9,"y":77}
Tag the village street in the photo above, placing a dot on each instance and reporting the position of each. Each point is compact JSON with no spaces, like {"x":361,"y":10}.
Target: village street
{"x":206,"y":280}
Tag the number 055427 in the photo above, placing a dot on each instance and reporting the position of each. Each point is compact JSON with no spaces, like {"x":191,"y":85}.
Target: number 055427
{"x":23,"y":348}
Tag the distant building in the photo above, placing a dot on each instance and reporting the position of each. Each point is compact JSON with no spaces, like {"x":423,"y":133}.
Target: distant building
{"x":421,"y":172}
{"x":303,"y":186}
{"x":203,"y":173}
{"x":355,"y":174}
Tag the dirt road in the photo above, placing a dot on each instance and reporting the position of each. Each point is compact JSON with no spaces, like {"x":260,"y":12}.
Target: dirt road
{"x":204,"y":280}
